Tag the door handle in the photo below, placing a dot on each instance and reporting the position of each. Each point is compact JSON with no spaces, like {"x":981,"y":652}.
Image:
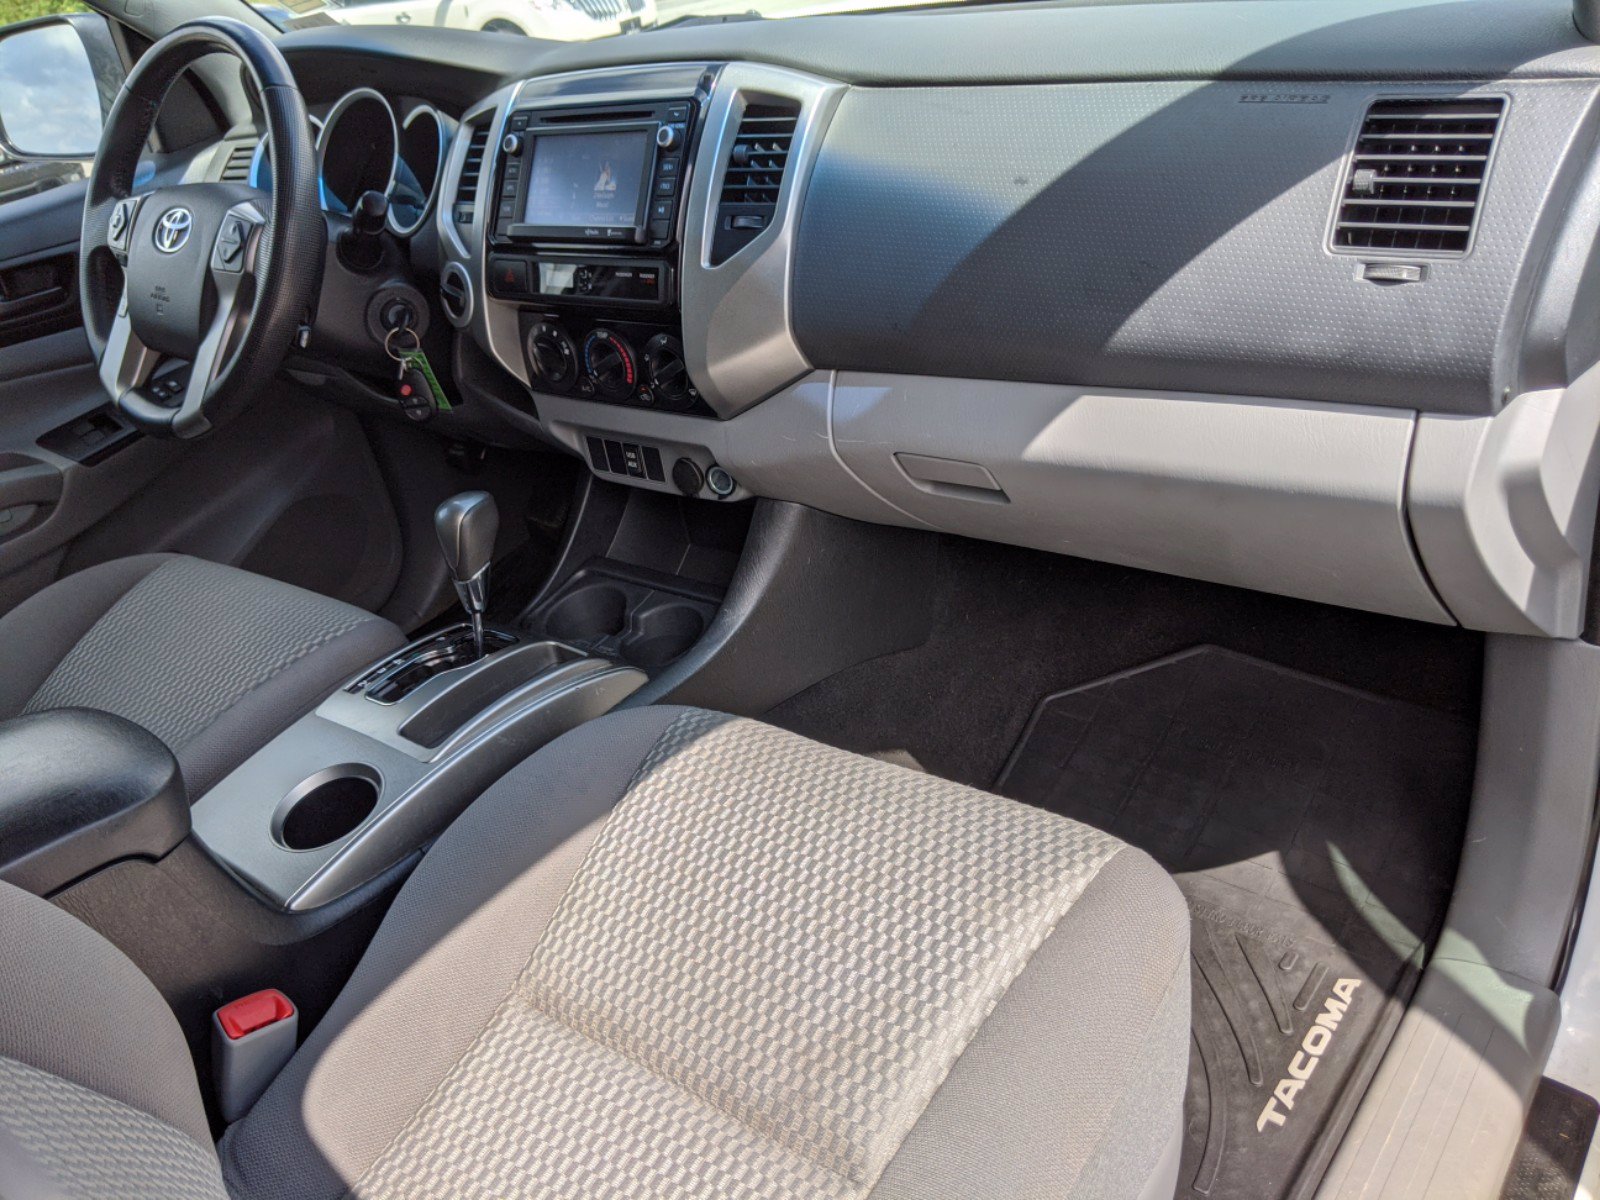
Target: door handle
{"x":34,"y":302}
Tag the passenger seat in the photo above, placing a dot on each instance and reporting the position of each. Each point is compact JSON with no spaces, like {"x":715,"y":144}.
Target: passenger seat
{"x":673,"y":954}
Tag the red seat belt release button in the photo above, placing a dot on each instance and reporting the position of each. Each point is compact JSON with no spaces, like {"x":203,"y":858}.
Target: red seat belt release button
{"x":252,"y":1012}
{"x":251,"y":1040}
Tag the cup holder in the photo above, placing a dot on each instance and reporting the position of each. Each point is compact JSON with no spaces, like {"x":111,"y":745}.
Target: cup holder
{"x":662,"y":634}
{"x":588,"y":614}
{"x":327,"y":806}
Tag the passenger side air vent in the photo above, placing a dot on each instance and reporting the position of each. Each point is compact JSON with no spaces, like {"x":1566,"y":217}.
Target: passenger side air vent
{"x":237,"y":168}
{"x":749,"y":198}
{"x":1416,"y":175}
{"x":471,"y":175}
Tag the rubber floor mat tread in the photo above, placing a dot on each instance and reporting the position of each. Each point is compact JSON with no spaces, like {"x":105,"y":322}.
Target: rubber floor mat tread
{"x":1549,"y":1158}
{"x":1314,"y":831}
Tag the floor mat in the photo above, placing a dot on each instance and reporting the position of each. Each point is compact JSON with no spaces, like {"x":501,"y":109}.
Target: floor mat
{"x":1314,"y":830}
{"x":1555,"y":1142}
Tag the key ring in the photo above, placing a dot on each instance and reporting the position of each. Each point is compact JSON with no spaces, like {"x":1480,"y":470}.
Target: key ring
{"x":401,"y":356}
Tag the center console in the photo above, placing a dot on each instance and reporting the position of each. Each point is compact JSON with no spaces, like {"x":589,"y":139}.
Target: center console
{"x":391,"y":758}
{"x":620,"y":241}
{"x":588,"y":204}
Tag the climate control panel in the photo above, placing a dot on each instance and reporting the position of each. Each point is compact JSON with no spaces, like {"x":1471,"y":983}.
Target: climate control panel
{"x":636,"y":363}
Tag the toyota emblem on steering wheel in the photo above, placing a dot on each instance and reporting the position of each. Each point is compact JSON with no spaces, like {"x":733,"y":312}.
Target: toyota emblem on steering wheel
{"x":172,"y":230}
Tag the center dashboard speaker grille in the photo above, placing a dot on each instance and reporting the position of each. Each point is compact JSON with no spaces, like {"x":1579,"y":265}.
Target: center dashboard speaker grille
{"x":756,"y":165}
{"x":1416,"y":176}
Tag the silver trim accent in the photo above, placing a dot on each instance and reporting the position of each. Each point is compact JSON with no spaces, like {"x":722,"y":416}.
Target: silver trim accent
{"x":438,"y":119}
{"x":494,"y":325}
{"x":738,"y":331}
{"x":428,"y":806}
{"x":494,"y":322}
{"x":341,"y":106}
{"x":421,"y":789}
{"x":260,"y":152}
{"x":310,"y":784}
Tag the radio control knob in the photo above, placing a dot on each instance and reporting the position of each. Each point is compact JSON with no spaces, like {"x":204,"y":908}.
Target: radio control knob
{"x":668,"y":137}
{"x":511,"y":144}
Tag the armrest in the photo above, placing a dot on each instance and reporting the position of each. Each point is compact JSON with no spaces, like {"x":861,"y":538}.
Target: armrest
{"x":81,"y":789}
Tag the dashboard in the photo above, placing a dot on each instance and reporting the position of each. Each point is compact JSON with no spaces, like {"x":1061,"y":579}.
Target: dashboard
{"x":1285,"y":295}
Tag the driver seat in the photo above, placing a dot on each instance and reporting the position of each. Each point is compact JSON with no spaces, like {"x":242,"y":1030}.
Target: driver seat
{"x":212,"y":660}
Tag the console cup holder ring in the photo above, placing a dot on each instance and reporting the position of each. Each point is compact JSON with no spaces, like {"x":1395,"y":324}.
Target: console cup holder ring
{"x":662,"y":633}
{"x":327,"y":806}
{"x":588,"y":614}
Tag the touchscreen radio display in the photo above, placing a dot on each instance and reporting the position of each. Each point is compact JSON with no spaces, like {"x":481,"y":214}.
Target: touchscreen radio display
{"x":588,"y":180}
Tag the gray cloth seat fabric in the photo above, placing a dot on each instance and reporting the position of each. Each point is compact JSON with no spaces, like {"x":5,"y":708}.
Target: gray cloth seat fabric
{"x":677,"y":954}
{"x":213,"y":660}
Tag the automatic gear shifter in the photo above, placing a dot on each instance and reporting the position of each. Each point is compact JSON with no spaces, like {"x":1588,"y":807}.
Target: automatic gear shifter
{"x":467,"y":525}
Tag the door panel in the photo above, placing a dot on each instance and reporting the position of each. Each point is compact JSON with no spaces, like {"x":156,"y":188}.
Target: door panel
{"x":290,"y":488}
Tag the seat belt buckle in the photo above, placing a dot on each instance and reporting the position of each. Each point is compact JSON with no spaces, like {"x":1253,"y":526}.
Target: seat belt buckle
{"x":251,"y":1039}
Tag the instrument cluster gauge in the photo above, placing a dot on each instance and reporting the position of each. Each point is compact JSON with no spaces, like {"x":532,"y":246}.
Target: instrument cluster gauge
{"x":609,"y":361}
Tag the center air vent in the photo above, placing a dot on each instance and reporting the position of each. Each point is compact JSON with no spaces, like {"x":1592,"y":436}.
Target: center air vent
{"x":1417,"y":174}
{"x":471,"y":174}
{"x":749,"y":198}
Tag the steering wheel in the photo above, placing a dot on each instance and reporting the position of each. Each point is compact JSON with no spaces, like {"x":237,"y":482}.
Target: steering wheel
{"x":192,"y":294}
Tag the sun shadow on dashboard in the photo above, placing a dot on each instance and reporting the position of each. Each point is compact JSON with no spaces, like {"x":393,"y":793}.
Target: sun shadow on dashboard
{"x":1168,"y":235}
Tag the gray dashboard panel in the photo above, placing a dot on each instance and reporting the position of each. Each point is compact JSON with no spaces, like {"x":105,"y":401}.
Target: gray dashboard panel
{"x":1155,"y":235}
{"x":1032,"y":42}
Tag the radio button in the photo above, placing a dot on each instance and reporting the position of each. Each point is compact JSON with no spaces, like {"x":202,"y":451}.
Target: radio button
{"x":667,"y":186}
{"x":669,"y":165}
{"x":661,"y":210}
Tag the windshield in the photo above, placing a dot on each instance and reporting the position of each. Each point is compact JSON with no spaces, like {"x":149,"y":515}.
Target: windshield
{"x":561,"y":20}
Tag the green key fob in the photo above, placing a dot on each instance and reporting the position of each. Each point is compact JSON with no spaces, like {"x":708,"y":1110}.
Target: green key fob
{"x":418,"y":361}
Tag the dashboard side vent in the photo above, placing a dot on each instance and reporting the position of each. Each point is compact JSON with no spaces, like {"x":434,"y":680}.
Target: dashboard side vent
{"x":237,"y":167}
{"x":1416,"y":176}
{"x":749,"y":198}
{"x":471,"y":175}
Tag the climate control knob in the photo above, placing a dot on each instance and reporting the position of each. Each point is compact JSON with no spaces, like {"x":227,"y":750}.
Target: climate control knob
{"x":668,"y":373}
{"x":609,"y":361}
{"x":552,"y":356}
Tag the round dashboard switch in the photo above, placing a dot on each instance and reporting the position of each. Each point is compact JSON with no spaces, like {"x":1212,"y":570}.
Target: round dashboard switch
{"x":686,"y":477}
{"x":720,"y":482}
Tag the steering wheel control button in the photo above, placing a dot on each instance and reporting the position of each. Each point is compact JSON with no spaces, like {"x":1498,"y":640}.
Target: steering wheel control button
{"x":119,"y":231}
{"x":720,"y":482}
{"x":686,"y":477}
{"x":231,"y":242}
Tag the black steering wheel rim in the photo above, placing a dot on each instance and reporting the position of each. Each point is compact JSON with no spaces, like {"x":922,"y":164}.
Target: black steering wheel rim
{"x":287,"y":244}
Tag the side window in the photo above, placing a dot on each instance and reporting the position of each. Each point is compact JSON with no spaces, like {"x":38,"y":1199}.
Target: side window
{"x":59,"y":71}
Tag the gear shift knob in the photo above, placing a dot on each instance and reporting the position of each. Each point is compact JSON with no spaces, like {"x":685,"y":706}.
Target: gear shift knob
{"x":467,"y":525}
